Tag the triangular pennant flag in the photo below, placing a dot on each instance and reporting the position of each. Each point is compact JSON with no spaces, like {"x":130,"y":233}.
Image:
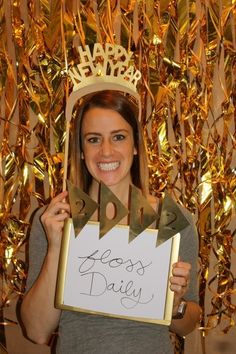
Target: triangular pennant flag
{"x":82,"y":207}
{"x":142,"y":215}
{"x":106,"y":197}
{"x":172,"y":220}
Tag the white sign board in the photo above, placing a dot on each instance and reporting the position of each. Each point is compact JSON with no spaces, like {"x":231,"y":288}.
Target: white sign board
{"x":113,"y":277}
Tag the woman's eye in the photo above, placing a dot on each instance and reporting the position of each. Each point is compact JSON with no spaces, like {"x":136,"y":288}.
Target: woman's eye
{"x":118,"y":137}
{"x":93,"y":140}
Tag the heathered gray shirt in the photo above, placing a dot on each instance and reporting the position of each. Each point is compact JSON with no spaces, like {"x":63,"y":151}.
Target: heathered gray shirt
{"x":81,"y":333}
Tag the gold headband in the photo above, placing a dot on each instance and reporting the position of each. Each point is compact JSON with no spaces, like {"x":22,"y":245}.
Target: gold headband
{"x":102,"y":69}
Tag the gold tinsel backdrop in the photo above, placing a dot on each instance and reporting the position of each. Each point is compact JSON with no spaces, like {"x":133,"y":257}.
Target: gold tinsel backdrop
{"x":186,"y":51}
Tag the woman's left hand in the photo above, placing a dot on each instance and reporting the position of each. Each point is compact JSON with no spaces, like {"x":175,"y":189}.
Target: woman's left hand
{"x":179,"y":282}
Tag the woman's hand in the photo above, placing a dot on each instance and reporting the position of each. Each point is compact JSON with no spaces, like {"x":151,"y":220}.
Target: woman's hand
{"x":54,"y":217}
{"x":179,"y":282}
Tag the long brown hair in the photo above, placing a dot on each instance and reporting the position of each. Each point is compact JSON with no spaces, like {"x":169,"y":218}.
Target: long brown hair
{"x":121,"y":104}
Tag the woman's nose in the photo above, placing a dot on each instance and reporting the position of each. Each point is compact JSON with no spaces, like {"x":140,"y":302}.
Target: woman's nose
{"x":106,"y":148}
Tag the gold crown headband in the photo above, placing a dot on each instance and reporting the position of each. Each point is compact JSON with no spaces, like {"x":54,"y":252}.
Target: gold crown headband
{"x":105,"y":68}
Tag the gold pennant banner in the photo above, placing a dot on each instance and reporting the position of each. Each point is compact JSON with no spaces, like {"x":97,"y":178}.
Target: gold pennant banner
{"x":141,"y":215}
{"x":172,"y":220}
{"x":82,"y":207}
{"x":120,"y":211}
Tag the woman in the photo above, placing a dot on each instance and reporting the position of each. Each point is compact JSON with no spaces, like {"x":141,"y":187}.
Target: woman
{"x":108,"y":147}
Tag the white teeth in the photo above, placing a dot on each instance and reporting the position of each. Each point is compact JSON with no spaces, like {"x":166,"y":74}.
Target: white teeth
{"x":108,"y":166}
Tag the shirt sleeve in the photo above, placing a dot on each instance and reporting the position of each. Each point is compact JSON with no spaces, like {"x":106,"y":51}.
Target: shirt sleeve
{"x":37,"y":249}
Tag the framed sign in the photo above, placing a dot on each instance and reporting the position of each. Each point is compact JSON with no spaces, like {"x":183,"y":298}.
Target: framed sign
{"x":114,"y":277}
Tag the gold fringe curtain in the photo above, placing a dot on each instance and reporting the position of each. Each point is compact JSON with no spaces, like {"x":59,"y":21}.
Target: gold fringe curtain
{"x":186,"y":51}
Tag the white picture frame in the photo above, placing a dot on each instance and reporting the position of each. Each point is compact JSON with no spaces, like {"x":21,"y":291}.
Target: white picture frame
{"x":112,"y":277}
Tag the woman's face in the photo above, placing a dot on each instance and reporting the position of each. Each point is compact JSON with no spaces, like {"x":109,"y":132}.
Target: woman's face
{"x":108,"y":146}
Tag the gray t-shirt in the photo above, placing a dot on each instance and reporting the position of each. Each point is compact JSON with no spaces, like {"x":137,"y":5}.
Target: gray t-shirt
{"x":80,"y":333}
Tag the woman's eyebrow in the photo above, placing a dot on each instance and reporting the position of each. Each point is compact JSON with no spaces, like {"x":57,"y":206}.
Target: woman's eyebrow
{"x":112,"y":132}
{"x":119,"y":131}
{"x":92,"y":133}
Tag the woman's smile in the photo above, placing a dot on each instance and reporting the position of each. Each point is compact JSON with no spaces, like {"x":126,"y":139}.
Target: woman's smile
{"x":108,"y":166}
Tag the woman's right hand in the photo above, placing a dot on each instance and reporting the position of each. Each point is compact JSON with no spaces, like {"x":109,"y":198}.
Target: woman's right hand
{"x":54,"y":217}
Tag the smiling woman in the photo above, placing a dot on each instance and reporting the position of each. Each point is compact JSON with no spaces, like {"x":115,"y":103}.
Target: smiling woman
{"x":107,"y":146}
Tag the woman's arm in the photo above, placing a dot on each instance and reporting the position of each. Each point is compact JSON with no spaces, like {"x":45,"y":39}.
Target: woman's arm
{"x":188,"y":323}
{"x":179,"y":284}
{"x":39,"y":316}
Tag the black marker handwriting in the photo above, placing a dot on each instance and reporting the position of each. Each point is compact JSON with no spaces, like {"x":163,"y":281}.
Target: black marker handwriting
{"x":99,"y":285}
{"x":106,"y":258}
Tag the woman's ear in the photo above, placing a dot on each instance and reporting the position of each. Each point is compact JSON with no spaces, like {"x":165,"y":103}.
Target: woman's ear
{"x":135,"y":151}
{"x":82,"y":155}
